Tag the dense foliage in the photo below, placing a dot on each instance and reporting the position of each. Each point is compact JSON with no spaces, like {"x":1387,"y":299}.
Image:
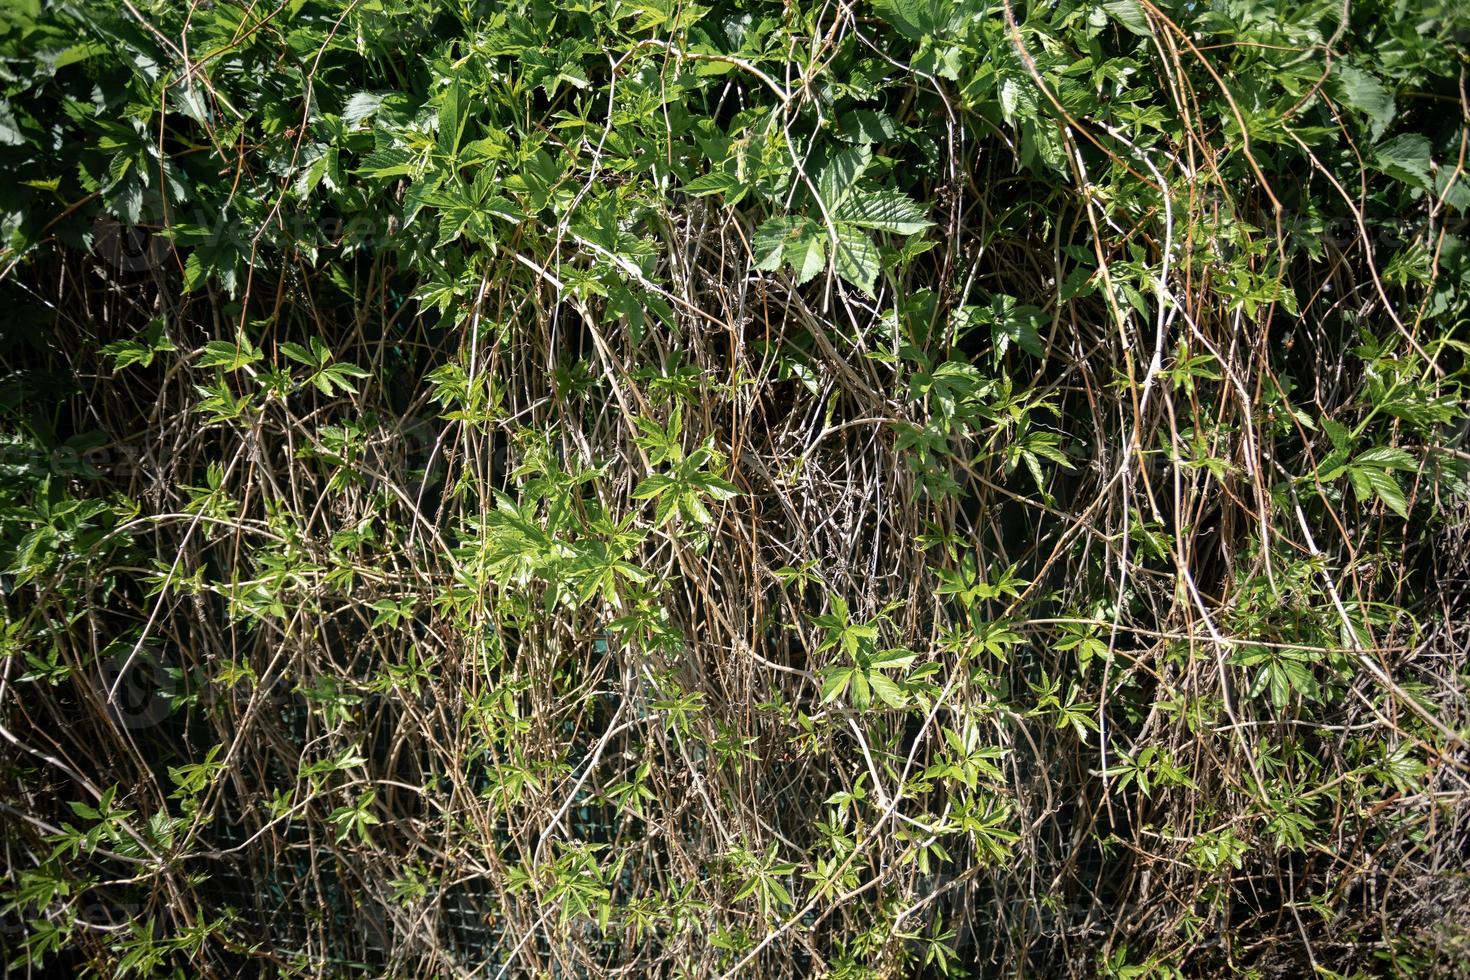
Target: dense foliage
{"x":575,"y":489}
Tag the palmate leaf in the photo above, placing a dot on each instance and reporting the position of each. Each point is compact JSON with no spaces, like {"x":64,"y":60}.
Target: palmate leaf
{"x":141,"y":350}
{"x":327,"y":375}
{"x":1280,"y":673}
{"x":338,"y":376}
{"x":848,"y":212}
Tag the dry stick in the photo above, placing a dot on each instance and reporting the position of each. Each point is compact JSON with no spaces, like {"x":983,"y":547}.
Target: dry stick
{"x":1165,"y":300}
{"x":304,"y":126}
{"x":888,"y":812}
{"x":1372,"y":666}
{"x":1245,"y":140}
{"x":167,"y":580}
{"x":1366,"y":241}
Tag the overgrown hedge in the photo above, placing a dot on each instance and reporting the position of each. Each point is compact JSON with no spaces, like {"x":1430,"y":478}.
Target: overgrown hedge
{"x":577,"y":489}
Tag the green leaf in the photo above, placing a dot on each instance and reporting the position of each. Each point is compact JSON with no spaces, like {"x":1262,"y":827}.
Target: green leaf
{"x":1019,"y":326}
{"x":388,"y":162}
{"x":797,"y":242}
{"x":125,"y":353}
{"x":1362,"y":91}
{"x":883,"y":210}
{"x":501,"y":207}
{"x":808,"y":256}
{"x":887,"y":690}
{"x":715,"y":487}
{"x":228,"y":356}
{"x":361,"y":107}
{"x":857,"y":258}
{"x":890,"y":659}
{"x":839,"y":177}
{"x":1337,"y":433}
{"x":1370,"y":482}
{"x":769,"y":241}
{"x":1129,"y":14}
{"x":652,"y":486}
{"x":865,"y":127}
{"x":298,"y":354}
{"x":337,"y":375}
{"x":836,"y":682}
{"x":150,"y":341}
{"x":451,"y":120}
{"x":1406,"y":158}
{"x":1386,"y":458}
{"x":667,"y":505}
{"x":714,"y":182}
{"x":917,"y":18}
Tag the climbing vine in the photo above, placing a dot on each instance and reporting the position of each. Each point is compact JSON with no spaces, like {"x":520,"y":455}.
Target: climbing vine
{"x":893,"y":488}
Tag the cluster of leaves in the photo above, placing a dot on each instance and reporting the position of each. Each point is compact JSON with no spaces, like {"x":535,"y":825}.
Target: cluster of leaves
{"x":562,"y":488}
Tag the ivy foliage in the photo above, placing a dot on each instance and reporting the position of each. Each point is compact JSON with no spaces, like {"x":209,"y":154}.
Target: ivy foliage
{"x":892,"y":488}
